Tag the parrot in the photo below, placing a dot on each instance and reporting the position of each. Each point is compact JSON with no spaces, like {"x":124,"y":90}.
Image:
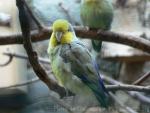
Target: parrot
{"x":96,"y":14}
{"x":73,"y":65}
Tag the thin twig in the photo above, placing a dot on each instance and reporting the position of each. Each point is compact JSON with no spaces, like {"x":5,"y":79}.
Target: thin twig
{"x":21,"y":84}
{"x":65,"y":10}
{"x":83,"y":32}
{"x":38,"y":23}
{"x":7,"y":62}
{"x":142,"y":79}
{"x":125,"y":87}
{"x":136,"y":95}
{"x":22,"y":56}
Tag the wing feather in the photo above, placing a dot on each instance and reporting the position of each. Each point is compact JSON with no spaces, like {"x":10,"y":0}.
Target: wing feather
{"x":83,"y":66}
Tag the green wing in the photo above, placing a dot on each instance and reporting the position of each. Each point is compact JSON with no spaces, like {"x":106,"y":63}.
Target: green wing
{"x":84,"y":68}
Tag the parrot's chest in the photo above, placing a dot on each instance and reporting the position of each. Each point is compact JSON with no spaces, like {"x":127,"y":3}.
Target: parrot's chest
{"x":61,"y":70}
{"x":65,"y":77}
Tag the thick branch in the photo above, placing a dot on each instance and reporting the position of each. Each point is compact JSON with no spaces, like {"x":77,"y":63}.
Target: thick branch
{"x":33,"y":58}
{"x":32,"y":55}
{"x":83,"y":32}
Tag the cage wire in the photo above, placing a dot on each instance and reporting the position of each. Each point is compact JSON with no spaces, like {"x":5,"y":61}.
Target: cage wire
{"x":47,"y":104}
{"x":44,"y":105}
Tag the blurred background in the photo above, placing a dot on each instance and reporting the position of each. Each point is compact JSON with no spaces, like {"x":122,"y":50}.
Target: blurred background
{"x":118,"y":61}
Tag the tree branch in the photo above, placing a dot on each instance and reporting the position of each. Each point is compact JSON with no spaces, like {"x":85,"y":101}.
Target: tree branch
{"x":135,"y":95}
{"x":7,"y":62}
{"x":33,"y":58}
{"x":118,"y":86}
{"x":142,"y":79}
{"x":32,"y":55}
{"x":38,"y":23}
{"x":139,"y":96}
{"x":22,"y":56}
{"x":126,"y":87}
{"x":21,"y":84}
{"x":83,"y":32}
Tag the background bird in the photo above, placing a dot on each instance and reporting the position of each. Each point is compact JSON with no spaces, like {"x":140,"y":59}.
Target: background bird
{"x":97,"y":14}
{"x":74,"y":67}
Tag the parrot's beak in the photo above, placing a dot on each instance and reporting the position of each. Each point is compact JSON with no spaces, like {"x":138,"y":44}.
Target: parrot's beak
{"x":58,"y":35}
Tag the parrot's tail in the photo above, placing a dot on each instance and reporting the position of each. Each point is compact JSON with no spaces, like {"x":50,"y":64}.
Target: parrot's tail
{"x":97,"y":45}
{"x":103,"y":98}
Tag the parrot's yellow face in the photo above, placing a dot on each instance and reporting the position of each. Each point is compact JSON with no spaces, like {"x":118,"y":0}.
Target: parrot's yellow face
{"x":61,"y":33}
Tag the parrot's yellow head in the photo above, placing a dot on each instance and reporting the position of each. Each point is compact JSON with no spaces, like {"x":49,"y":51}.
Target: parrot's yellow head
{"x":61,"y":33}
